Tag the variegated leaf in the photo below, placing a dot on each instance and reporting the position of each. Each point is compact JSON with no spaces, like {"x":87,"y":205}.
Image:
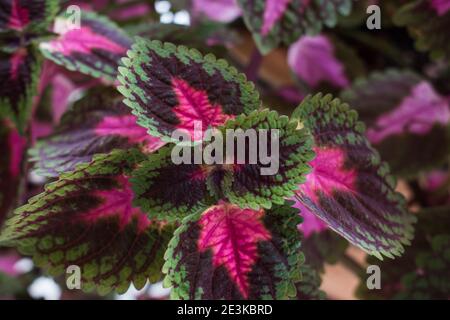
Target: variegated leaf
{"x":174,"y":88}
{"x":87,"y":219}
{"x":349,"y":187}
{"x":281,"y":22}
{"x":226,"y":252}
{"x":403,"y":114}
{"x":95,"y":47}
{"x":98,"y":123}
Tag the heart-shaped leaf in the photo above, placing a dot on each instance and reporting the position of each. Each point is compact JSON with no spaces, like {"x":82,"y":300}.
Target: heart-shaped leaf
{"x":282,"y":22}
{"x":98,"y":123}
{"x":95,"y":47}
{"x":86,"y":219}
{"x":350,"y":188}
{"x":226,"y":252}
{"x":174,"y":88}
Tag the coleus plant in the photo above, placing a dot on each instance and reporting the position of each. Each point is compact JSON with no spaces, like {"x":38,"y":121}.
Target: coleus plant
{"x":123,"y":212}
{"x":119,"y":197}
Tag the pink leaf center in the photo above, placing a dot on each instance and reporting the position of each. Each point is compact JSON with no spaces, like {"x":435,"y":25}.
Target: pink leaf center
{"x":126,"y":126}
{"x":328,"y":174}
{"x":232,"y":234}
{"x":194,"y":108}
{"x":17,"y":147}
{"x":16,"y":60}
{"x":19,"y":17}
{"x":273,"y":12}
{"x":118,"y":202}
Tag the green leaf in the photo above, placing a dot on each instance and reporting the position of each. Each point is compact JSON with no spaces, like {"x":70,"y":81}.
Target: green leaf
{"x":428,"y":28}
{"x":170,"y":88}
{"x":174,"y":190}
{"x":227,"y":252}
{"x":349,"y":187}
{"x":86,"y":219}
{"x":422,"y":272}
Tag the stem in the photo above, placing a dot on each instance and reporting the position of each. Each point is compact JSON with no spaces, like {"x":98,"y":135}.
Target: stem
{"x":352,"y":265}
{"x":253,"y":67}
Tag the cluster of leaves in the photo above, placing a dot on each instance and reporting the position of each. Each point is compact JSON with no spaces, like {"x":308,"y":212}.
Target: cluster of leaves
{"x":120,"y":208}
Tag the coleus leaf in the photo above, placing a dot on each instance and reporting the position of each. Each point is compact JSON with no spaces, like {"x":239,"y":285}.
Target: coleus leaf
{"x":93,"y":48}
{"x":172,"y":88}
{"x":195,"y":185}
{"x":98,"y":123}
{"x":422,"y":272}
{"x":34,"y":15}
{"x":86,"y":219}
{"x":408,"y":121}
{"x":165,"y":189}
{"x":309,"y":287}
{"x":326,"y":247}
{"x":428,"y":24}
{"x":11,"y":167}
{"x":226,"y":252}
{"x":350,"y":188}
{"x":282,"y":22}
{"x":19,"y":69}
{"x":249,"y":187}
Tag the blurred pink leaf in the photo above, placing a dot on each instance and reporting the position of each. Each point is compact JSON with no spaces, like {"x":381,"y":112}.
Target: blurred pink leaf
{"x":312,"y":59}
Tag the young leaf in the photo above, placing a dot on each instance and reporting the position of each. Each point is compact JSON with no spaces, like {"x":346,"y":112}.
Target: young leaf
{"x":196,"y":185}
{"x":404,"y":114}
{"x":86,"y":219}
{"x":19,"y":69}
{"x":11,"y":167}
{"x":98,"y":123}
{"x":349,"y":187}
{"x":34,"y":15}
{"x":281,"y":22}
{"x":172,"y":88}
{"x":93,"y":48}
{"x":427,"y":25}
{"x":227,"y":252}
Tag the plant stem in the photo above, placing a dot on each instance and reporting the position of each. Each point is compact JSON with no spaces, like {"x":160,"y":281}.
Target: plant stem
{"x":253,"y":67}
